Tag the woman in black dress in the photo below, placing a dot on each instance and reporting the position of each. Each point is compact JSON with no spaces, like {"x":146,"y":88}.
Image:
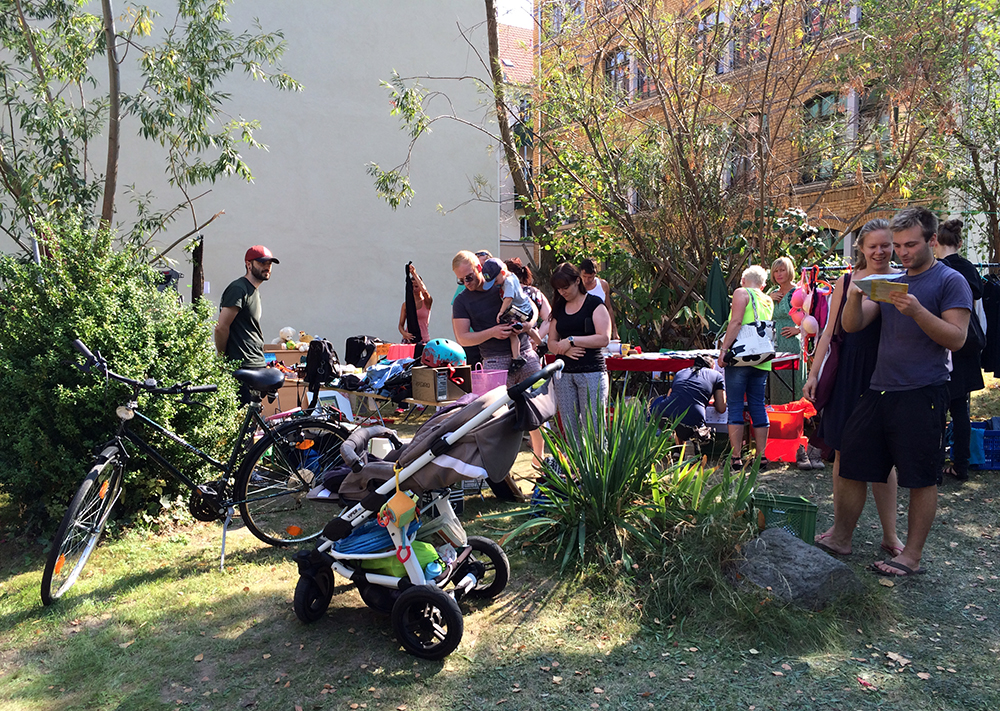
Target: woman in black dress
{"x":967,"y":372}
{"x":858,"y":353}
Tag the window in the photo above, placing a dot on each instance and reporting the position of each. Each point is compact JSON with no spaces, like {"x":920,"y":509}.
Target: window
{"x":564,"y":11}
{"x":645,"y":83}
{"x":827,"y":18}
{"x":616,"y":73}
{"x":709,"y":42}
{"x":874,"y":128}
{"x":749,"y":144}
{"x":819,"y":137}
{"x":753,"y":34}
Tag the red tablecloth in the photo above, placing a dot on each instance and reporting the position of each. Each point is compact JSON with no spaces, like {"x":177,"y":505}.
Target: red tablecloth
{"x":672,"y":364}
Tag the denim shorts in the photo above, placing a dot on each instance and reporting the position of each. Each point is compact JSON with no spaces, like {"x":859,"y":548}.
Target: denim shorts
{"x":751,"y":382}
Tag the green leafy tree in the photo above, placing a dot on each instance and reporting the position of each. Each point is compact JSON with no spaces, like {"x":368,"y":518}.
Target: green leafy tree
{"x":58,"y":415}
{"x":667,"y":137}
{"x":62,"y":105}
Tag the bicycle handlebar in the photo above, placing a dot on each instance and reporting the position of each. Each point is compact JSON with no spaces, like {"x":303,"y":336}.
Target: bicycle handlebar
{"x":149,"y":386}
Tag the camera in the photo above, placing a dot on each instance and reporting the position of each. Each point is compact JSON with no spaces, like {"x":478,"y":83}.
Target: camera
{"x":517,"y":326}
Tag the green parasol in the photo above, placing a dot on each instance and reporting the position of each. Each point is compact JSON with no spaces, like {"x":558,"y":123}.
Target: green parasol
{"x":717,"y":297}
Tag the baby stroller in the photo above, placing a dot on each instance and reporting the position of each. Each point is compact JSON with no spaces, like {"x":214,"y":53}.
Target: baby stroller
{"x":403,"y":551}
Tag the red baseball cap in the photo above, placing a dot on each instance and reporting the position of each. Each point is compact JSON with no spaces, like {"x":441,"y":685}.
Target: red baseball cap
{"x":261,"y":253}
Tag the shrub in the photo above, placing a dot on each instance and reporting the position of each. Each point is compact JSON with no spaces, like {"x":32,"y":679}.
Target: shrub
{"x":60,"y":415}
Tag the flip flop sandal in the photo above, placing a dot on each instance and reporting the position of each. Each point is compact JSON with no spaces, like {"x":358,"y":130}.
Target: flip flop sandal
{"x":892,"y":550}
{"x":905,"y":570}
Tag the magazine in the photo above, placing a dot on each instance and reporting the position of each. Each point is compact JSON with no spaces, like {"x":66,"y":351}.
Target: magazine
{"x":878,"y":287}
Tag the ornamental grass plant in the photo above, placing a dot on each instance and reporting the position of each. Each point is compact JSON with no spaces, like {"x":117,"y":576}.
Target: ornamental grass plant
{"x":621,"y":498}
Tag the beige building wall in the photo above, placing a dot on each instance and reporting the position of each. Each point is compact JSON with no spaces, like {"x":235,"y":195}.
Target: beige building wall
{"x":342,"y":249}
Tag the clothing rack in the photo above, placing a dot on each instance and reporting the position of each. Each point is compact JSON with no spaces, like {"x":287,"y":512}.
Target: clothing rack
{"x":977,"y":265}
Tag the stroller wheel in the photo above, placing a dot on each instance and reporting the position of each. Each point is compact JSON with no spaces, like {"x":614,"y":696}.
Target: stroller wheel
{"x":313,"y":595}
{"x":490,"y":566}
{"x":427,"y":622}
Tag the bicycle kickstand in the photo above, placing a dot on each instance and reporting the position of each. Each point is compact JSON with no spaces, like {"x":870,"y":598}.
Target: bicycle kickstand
{"x":225,"y":527}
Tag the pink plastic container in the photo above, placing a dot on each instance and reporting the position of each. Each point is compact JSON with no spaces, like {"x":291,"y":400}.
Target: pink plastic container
{"x":485,"y":380}
{"x":400,"y":350}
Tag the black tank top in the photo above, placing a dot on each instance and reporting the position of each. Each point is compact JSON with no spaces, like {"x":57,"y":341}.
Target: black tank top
{"x":580,"y":323}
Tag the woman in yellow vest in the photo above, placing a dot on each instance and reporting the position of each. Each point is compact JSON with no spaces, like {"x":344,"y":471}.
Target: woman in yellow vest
{"x":749,"y":380}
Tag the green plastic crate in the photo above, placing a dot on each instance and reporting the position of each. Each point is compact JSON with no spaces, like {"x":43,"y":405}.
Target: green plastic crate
{"x":795,"y":514}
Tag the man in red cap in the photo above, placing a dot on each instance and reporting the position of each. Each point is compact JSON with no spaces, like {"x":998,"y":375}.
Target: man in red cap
{"x":237,"y":333}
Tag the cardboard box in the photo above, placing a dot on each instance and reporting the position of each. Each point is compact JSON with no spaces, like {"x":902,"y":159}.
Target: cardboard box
{"x":434,"y":384}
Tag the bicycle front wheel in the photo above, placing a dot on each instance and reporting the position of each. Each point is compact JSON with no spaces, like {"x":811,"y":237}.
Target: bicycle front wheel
{"x":276,"y":475}
{"x":82,"y":525}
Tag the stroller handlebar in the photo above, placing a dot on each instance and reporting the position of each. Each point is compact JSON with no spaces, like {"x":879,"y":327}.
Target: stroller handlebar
{"x":544,"y":374}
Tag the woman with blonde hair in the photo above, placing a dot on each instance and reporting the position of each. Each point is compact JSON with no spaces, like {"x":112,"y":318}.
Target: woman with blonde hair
{"x":787,"y":336}
{"x":750,"y":304}
{"x":858,"y":353}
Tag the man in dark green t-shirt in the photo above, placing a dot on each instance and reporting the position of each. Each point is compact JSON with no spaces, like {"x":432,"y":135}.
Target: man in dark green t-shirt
{"x":237,"y":333}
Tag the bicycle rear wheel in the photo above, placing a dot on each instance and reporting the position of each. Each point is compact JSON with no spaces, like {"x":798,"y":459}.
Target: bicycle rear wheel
{"x":82,"y":526}
{"x":276,"y":475}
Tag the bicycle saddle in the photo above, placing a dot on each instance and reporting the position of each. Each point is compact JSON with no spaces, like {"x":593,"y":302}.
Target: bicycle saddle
{"x":266,"y":381}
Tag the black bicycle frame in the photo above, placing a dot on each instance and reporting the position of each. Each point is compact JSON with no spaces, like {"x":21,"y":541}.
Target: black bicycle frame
{"x":253,"y":415}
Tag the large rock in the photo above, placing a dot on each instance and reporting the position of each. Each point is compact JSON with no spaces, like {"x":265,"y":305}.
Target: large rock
{"x":796,"y":571}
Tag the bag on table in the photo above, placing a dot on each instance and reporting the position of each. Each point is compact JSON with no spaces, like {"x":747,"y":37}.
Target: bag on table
{"x":754,"y":343}
{"x":828,"y":368}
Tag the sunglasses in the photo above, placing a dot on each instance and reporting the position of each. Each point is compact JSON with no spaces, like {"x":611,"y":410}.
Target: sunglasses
{"x":469,"y":278}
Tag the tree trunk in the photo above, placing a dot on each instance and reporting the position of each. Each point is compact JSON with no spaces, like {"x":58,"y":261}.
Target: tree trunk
{"x":198,"y":270}
{"x":114,"y":111}
{"x":532,"y":207}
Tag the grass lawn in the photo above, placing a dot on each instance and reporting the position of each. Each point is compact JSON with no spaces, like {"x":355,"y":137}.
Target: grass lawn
{"x":154,"y":624}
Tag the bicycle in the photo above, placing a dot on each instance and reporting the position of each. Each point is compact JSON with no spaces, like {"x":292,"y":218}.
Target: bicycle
{"x":269,"y":472}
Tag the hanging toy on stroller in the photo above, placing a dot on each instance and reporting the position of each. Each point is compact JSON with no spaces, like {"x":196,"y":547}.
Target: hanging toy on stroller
{"x":398,"y":538}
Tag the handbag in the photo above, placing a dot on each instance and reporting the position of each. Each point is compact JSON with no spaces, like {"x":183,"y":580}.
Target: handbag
{"x":975,"y":339}
{"x":828,"y":368}
{"x":754,"y":343}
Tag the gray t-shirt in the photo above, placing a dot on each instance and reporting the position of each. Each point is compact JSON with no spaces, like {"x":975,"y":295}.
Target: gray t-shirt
{"x":907,"y":357}
{"x":512,"y":289}
{"x":481,"y":308}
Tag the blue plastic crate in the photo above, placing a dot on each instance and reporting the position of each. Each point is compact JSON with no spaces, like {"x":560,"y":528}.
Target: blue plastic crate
{"x":984,"y":447}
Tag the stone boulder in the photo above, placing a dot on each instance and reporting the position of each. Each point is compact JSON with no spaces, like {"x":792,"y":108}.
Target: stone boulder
{"x":795,"y":571}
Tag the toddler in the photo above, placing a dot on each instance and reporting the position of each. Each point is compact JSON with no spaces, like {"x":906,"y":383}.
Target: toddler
{"x":517,"y":308}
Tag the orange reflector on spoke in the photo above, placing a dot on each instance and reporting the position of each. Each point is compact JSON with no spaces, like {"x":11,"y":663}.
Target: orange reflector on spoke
{"x":293,"y":531}
{"x":305,"y":444}
{"x":104,"y":488}
{"x":59,"y":564}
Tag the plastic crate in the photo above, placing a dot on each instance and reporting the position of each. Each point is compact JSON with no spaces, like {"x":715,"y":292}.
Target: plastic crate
{"x":795,"y":514}
{"x":991,"y":447}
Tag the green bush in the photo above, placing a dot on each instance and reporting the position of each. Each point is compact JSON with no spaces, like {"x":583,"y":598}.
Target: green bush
{"x":59,"y":415}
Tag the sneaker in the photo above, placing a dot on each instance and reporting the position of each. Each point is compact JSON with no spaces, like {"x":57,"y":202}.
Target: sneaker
{"x":516,"y":364}
{"x":802,"y":459}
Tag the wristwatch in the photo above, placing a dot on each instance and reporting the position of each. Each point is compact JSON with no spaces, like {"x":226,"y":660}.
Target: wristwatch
{"x":571,"y":343}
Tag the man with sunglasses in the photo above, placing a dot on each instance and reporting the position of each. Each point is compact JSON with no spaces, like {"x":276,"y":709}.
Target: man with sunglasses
{"x":237,"y":332}
{"x":474,"y":320}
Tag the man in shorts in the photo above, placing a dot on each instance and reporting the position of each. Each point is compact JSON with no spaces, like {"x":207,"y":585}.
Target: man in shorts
{"x":474,"y":320}
{"x":900,"y":420}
